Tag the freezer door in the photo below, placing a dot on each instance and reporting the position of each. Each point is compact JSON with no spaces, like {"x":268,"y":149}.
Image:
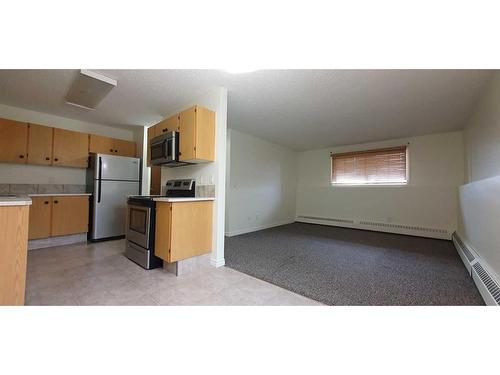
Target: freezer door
{"x":122,"y":168}
{"x":109,"y":213}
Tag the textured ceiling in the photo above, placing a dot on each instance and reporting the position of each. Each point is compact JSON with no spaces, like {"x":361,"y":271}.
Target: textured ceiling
{"x":302,"y":109}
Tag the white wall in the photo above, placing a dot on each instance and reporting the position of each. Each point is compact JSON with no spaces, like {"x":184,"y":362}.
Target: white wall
{"x":262,"y":184}
{"x":34,"y":174}
{"x":210,"y":173}
{"x":480,"y":196}
{"x":436,"y":166}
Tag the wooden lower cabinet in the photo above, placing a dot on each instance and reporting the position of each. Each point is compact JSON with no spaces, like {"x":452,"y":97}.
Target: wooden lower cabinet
{"x":13,"y":254}
{"x":58,"y":216}
{"x":40,"y":217}
{"x":183,"y":229}
{"x":70,"y":215}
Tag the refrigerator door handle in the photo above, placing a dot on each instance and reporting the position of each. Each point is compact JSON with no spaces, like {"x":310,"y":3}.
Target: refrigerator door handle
{"x":99,"y":181}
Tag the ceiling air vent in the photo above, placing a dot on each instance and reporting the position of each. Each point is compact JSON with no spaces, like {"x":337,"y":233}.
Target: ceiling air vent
{"x":487,"y":286}
{"x":89,"y":89}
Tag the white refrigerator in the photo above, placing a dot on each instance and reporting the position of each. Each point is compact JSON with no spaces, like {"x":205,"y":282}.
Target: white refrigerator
{"x":111,"y":180}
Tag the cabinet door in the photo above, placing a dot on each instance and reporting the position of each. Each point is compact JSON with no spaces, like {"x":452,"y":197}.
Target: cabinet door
{"x":124,"y":148}
{"x":70,"y":148}
{"x":39,"y":220}
{"x":101,"y":145}
{"x":163,"y":230}
{"x":187,"y":134}
{"x":168,"y":125}
{"x":155,"y":185}
{"x":205,"y":134}
{"x":13,"y":254}
{"x":188,"y":218}
{"x":13,"y":141}
{"x":151,"y":135}
{"x":40,"y":144}
{"x":70,"y":215}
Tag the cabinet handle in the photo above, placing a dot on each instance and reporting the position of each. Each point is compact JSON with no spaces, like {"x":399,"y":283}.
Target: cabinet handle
{"x":110,"y":150}
{"x":46,"y":202}
{"x":56,"y":202}
{"x":116,"y":150}
{"x":56,"y":159}
{"x":47,"y":158}
{"x":164,"y":130}
{"x":21,"y":156}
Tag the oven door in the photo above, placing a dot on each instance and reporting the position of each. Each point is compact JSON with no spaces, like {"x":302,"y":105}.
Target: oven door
{"x":163,"y":149}
{"x":138,"y":225}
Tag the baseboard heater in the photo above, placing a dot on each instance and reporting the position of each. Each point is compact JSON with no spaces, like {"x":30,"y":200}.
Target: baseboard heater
{"x":378,"y":226}
{"x":486,"y":283}
{"x":488,"y":287}
{"x":468,"y":256}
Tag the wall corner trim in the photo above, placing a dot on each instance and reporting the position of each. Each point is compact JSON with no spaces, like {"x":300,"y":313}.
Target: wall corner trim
{"x":217,"y":262}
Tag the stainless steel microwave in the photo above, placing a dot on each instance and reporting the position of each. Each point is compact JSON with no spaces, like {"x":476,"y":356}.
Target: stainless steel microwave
{"x":165,"y":149}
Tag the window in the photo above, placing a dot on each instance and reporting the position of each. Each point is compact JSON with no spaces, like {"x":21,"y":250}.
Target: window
{"x":372,"y":167}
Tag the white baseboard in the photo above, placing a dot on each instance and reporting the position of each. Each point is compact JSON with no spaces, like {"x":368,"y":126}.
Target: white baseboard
{"x":217,"y":262}
{"x":260,"y":227}
{"x":378,"y":226}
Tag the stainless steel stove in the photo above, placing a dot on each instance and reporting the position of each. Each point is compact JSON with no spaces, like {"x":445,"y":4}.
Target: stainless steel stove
{"x":141,"y":222}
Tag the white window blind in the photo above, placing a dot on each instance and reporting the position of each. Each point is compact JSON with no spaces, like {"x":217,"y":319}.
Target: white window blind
{"x":381,"y":166}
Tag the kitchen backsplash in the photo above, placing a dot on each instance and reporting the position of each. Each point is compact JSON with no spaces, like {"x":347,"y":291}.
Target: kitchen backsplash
{"x":41,"y":188}
{"x":205,"y":191}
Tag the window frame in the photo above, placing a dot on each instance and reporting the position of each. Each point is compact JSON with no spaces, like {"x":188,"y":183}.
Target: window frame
{"x":371,"y":184}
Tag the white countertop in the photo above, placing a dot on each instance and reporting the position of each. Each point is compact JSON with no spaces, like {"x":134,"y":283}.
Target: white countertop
{"x":172,"y":200}
{"x":57,"y":194}
{"x":18,"y":200}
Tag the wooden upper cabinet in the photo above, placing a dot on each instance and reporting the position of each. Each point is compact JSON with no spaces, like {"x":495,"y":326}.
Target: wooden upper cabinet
{"x":40,"y":217}
{"x":40,"y":144}
{"x":168,"y":125}
{"x":101,"y":145}
{"x":197,"y":135}
{"x":124,"y":148}
{"x":13,"y":141}
{"x":111,"y":146}
{"x":70,"y":215}
{"x":70,"y":148}
{"x":151,"y":135}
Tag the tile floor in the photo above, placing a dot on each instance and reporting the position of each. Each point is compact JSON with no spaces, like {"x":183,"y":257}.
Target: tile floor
{"x":99,"y":274}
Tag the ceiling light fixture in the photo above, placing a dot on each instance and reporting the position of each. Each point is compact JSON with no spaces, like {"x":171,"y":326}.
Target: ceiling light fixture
{"x":89,"y":89}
